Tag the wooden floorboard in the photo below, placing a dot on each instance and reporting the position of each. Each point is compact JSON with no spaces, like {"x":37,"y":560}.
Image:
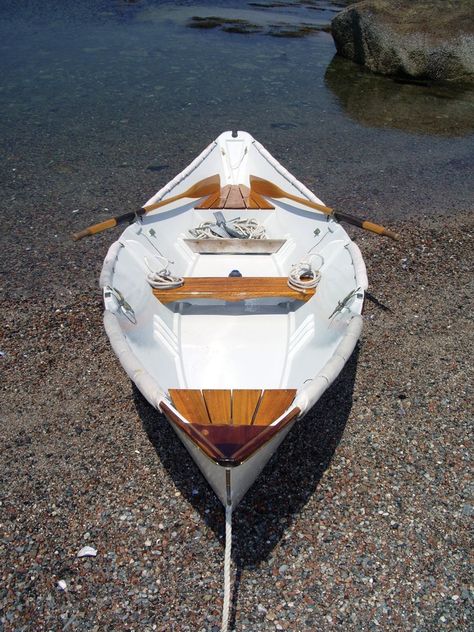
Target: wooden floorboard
{"x":219,"y":405}
{"x":244,"y":405}
{"x":236,"y":196}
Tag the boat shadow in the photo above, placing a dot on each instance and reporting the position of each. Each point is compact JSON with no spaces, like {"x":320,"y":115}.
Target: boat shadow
{"x":289,"y":480}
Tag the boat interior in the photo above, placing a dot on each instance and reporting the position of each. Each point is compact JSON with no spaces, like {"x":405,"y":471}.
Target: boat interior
{"x":232,"y":345}
{"x":233,"y":332}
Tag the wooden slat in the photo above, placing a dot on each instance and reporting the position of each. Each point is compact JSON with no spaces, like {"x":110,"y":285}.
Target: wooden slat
{"x":235,"y":199}
{"x":273,"y":403}
{"x":190,"y":403}
{"x":209,"y":201}
{"x":244,"y":404}
{"x":219,"y":405}
{"x":232,"y":289}
{"x":260,"y":201}
{"x":222,"y":198}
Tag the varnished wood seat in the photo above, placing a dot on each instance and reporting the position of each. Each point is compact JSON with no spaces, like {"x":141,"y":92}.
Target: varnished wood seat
{"x":232,"y":289}
{"x":235,"y":196}
{"x":229,"y":426}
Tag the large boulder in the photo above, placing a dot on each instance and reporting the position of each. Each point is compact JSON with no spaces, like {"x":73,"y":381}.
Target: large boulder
{"x":420,"y":38}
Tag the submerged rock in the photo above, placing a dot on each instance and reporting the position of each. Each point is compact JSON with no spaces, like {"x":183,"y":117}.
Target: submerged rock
{"x":280,"y":29}
{"x":228,"y":25}
{"x":412,"y":105}
{"x":424,"y":38}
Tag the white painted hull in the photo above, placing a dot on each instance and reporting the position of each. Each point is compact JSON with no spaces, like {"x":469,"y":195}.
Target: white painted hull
{"x":247,"y":345}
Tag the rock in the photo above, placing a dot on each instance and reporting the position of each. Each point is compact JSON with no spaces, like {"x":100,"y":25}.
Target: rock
{"x":424,"y":39}
{"x":87,"y":551}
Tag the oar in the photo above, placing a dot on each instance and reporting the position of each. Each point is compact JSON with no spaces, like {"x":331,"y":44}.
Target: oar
{"x":264,"y":187}
{"x":200,"y":189}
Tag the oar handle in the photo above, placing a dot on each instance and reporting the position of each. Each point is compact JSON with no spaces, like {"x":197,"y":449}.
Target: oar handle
{"x":362,"y":223}
{"x":109,"y":223}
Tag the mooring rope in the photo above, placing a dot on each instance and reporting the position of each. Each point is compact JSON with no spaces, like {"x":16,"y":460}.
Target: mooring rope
{"x":162,"y":279}
{"x":245,"y":229}
{"x":227,"y":562}
{"x":303,"y":275}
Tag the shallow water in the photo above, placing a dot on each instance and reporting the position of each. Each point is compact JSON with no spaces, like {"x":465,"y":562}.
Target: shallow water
{"x":103,"y":102}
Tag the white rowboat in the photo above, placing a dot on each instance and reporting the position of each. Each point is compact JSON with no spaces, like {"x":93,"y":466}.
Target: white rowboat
{"x":233,"y":361}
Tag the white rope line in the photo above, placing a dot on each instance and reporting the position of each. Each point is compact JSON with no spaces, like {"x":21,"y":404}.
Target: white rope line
{"x":246,"y":228}
{"x":228,"y":548}
{"x":162,"y":279}
{"x":303,"y":275}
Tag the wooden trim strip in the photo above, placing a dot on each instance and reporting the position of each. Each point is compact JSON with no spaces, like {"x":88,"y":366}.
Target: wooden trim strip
{"x":235,"y":199}
{"x":243,"y":453}
{"x":197,"y":437}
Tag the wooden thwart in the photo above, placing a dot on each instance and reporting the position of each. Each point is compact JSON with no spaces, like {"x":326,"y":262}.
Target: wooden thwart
{"x":236,"y":196}
{"x":232,"y":289}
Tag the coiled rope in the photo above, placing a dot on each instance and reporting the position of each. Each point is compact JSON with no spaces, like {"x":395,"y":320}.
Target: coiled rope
{"x":227,"y":562}
{"x":163,"y":278}
{"x":245,"y":228}
{"x":303,"y":275}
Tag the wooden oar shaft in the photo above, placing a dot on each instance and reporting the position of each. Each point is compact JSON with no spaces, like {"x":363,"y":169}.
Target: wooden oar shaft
{"x":345,"y":217}
{"x":199,"y":189}
{"x":265,"y":187}
{"x":109,"y":223}
{"x":363,"y":223}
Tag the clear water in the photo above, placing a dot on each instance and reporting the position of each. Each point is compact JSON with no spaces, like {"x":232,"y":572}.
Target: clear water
{"x":104,"y":101}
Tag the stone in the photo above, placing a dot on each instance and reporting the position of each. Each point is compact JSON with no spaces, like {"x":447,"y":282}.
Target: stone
{"x":425,"y":39}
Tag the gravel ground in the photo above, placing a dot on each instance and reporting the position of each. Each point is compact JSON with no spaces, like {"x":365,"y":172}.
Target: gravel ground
{"x":360,"y":522}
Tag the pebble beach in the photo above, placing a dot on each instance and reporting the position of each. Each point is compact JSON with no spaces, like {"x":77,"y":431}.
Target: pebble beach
{"x":361,"y":519}
{"x":359,"y":522}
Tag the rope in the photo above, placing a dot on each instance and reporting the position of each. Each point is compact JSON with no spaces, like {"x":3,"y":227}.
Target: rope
{"x":303,"y":276}
{"x":228,"y":547}
{"x":245,"y":229}
{"x":162,"y":279}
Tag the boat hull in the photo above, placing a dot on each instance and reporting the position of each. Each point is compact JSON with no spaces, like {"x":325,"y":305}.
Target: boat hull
{"x":228,"y":335}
